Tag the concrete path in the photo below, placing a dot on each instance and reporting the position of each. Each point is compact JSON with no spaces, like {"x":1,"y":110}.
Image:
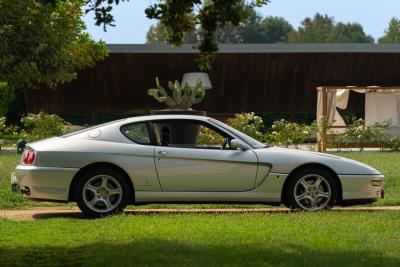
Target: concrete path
{"x":38,"y":213}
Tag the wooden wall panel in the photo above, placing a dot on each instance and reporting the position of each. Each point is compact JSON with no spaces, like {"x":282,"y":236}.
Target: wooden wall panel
{"x":261,"y":82}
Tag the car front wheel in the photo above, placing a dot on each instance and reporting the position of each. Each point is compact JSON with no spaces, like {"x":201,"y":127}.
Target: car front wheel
{"x":101,"y":192}
{"x":311,"y":189}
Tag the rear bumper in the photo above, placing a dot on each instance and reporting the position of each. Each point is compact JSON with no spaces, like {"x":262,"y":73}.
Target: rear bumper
{"x":47,"y":183}
{"x":362,"y":187}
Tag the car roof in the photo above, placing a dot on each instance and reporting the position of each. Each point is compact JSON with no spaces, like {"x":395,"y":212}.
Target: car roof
{"x":166,"y":117}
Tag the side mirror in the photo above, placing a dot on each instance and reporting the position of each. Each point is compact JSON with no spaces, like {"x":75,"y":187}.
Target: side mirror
{"x":237,"y":144}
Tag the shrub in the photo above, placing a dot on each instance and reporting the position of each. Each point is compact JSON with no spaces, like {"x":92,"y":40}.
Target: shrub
{"x":3,"y":126}
{"x":42,"y":125}
{"x":286,"y":133}
{"x":8,"y":131}
{"x":209,"y":137}
{"x":337,"y":140}
{"x":249,"y":124}
{"x":380,"y":134}
{"x":358,"y":133}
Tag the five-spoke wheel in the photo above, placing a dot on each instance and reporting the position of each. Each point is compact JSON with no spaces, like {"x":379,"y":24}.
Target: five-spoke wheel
{"x":102,"y":191}
{"x":311,"y":189}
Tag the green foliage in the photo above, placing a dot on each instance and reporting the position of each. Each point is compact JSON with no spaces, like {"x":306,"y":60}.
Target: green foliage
{"x":44,"y":42}
{"x":323,"y":29}
{"x":181,"y":17}
{"x":284,"y":133}
{"x":392,"y":33}
{"x":182,"y":97}
{"x":349,"y":238}
{"x":360,"y":135}
{"x":157,"y":34}
{"x":275,"y":30}
{"x":42,"y":125}
{"x":7,"y":131}
{"x":254,"y":29}
{"x":249,"y":124}
{"x":209,"y":137}
{"x":3,"y":125}
{"x":6,"y":95}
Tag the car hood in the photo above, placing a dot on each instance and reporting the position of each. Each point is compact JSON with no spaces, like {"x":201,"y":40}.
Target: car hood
{"x":285,"y":160}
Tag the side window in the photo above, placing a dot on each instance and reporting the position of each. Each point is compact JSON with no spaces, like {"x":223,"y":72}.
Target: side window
{"x":188,"y":134}
{"x":137,"y":132}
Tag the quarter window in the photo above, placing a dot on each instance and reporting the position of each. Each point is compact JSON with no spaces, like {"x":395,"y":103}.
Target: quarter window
{"x":137,"y":132}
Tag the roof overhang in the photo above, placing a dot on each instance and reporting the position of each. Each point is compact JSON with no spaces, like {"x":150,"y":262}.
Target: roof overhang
{"x":258,"y":48}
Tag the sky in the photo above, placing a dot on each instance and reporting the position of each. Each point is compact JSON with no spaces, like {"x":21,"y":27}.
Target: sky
{"x":132,"y":24}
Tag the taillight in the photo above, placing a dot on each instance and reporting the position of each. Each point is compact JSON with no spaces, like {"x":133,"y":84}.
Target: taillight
{"x":28,"y":157}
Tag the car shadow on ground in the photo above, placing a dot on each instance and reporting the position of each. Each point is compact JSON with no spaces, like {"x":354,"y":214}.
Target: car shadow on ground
{"x":80,"y":215}
{"x":52,"y":215}
{"x":76,"y":214}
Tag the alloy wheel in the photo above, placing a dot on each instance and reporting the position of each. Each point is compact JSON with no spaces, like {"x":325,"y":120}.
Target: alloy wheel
{"x":312,"y":192}
{"x":102,"y":193}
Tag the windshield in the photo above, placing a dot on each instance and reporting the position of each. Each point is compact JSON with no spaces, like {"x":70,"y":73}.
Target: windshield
{"x":249,"y":140}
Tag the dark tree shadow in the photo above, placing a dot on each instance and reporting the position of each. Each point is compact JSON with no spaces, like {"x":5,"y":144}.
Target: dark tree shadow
{"x":157,"y":252}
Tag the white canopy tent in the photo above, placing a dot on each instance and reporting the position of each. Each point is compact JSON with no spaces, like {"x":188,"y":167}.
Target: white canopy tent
{"x":381,"y":104}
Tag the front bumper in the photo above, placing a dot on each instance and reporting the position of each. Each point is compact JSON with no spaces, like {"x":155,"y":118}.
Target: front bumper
{"x":359,"y":187}
{"x":47,"y":183}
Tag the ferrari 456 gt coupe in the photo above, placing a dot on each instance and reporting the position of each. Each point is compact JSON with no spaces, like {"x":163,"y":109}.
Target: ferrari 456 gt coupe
{"x":186,"y":159}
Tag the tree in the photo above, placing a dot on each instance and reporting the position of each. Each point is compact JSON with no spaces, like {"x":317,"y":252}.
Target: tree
{"x":180,"y":17}
{"x":349,"y":33}
{"x":42,"y":42}
{"x":275,"y":29}
{"x":392,"y":33}
{"x":255,"y":29}
{"x":316,"y":30}
{"x":323,"y":29}
{"x":246,"y":32}
{"x":157,"y":34}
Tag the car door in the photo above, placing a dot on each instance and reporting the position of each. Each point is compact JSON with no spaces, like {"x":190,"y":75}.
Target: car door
{"x":185,"y":165}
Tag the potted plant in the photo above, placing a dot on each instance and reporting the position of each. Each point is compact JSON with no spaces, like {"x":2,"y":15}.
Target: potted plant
{"x":182,"y":99}
{"x":180,"y":102}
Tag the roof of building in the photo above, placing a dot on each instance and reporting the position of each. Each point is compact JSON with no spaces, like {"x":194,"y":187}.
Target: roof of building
{"x":259,"y":48}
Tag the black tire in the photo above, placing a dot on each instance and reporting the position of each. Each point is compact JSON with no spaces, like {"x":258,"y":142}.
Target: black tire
{"x":79,"y":194}
{"x":289,"y":194}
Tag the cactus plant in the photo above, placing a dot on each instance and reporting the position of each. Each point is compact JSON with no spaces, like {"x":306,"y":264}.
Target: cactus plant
{"x":183,"y":97}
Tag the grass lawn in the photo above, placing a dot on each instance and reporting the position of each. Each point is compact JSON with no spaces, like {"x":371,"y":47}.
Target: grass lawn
{"x":293,"y":239}
{"x":386,"y":162}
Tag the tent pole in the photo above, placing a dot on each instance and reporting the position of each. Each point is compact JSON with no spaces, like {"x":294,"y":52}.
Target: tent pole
{"x":323,"y":142}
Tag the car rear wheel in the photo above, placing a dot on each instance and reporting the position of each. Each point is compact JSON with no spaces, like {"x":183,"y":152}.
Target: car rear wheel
{"x":101,"y":192}
{"x":311,"y":189}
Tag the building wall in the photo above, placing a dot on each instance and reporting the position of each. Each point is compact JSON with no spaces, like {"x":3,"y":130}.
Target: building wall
{"x":246,"y":81}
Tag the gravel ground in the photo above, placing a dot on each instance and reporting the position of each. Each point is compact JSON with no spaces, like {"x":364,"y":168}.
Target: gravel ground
{"x":38,"y":213}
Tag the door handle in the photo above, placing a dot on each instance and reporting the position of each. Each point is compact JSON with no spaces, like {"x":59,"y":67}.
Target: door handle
{"x":162,"y":153}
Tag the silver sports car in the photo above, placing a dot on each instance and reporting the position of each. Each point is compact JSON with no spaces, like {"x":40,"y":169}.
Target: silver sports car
{"x":186,"y":159}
